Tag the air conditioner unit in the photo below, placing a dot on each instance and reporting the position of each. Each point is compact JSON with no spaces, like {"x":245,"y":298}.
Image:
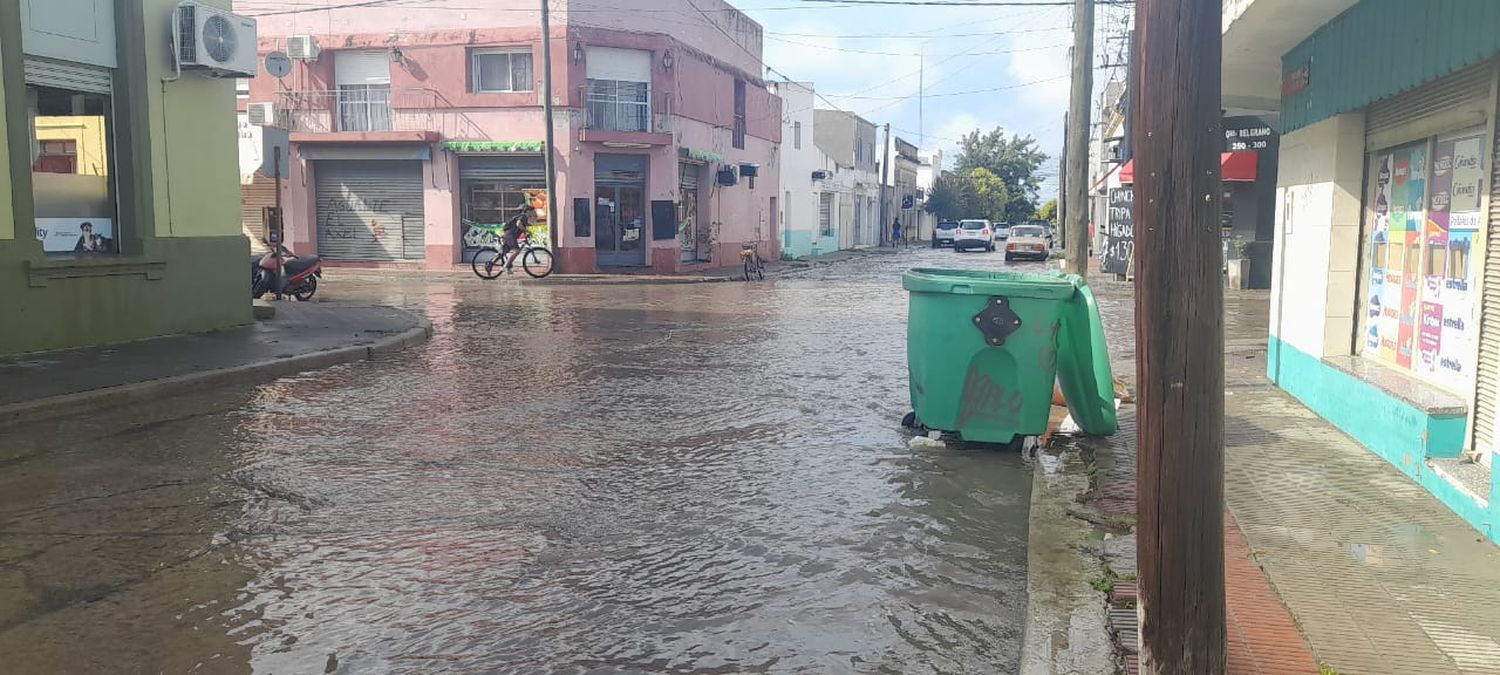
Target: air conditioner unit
{"x":218,"y":41}
{"x":727,"y":177}
{"x":302,"y":47}
{"x":262,"y":114}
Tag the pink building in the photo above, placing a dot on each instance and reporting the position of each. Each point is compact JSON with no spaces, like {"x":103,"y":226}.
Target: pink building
{"x":407,"y":122}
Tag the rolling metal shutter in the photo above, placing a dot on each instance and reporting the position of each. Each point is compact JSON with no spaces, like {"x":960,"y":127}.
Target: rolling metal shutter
{"x":529,"y":170}
{"x":72,"y":76}
{"x":370,"y":210}
{"x":1487,"y":375}
{"x":1419,"y":109}
{"x":688,"y":174}
{"x":254,"y":198}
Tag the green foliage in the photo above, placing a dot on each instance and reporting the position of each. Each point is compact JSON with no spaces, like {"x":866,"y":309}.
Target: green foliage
{"x":976,"y":194}
{"x":1015,"y":160}
{"x":1048,"y":212}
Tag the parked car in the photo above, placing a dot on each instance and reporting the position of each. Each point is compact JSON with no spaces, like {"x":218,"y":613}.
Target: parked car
{"x":1027,"y":241}
{"x":1046,"y":227}
{"x":1002,"y":232}
{"x":942,"y":235}
{"x":973,"y":234}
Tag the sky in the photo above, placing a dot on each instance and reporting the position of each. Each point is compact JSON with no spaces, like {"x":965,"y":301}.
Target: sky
{"x":981,"y":67}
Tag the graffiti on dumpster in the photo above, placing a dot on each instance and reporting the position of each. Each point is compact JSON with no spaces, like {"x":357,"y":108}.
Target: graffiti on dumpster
{"x":988,"y":402}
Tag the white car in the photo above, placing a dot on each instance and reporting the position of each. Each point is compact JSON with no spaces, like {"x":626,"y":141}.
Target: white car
{"x":973,"y":234}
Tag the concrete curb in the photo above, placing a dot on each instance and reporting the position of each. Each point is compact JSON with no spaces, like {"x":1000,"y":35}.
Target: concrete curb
{"x":259,"y":371}
{"x":1065,"y":630}
{"x":620,"y":280}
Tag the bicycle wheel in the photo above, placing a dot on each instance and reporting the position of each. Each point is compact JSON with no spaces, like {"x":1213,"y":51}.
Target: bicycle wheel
{"x":748,"y":269}
{"x":760,"y":270}
{"x":487,"y":263}
{"x":537,"y":262}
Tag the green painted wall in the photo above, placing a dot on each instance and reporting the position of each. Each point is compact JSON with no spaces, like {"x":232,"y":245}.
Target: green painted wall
{"x":1379,"y":48}
{"x":1400,"y":434}
{"x":182,"y":266}
{"x":196,"y":161}
{"x":803,"y":243}
{"x":7,"y":215}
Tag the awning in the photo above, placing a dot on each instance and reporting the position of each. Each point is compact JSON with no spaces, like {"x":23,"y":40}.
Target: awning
{"x":1233,"y":166}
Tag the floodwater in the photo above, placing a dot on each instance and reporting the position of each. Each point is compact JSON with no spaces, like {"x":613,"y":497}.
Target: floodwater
{"x":705,"y":478}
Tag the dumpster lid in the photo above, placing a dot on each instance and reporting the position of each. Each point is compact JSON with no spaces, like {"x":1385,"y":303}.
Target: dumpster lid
{"x":1050,"y":286}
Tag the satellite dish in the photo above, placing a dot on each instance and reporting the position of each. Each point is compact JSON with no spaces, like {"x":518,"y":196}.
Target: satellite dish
{"x":278,"y":64}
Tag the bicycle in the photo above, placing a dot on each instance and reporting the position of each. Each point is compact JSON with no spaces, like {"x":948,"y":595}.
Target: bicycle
{"x":489,"y":260}
{"x":754,"y":264}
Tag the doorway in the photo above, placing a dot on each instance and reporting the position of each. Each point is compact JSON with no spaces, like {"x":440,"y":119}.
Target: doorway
{"x":620,"y":210}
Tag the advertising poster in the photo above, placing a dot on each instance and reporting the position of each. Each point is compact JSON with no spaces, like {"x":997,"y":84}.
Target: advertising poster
{"x":1468,"y":176}
{"x":1400,"y":171}
{"x":1390,"y":303}
{"x":76,"y":235}
{"x":1458,"y":312}
{"x":1406,"y":336}
{"x":1119,"y":242}
{"x":1442,"y":191}
{"x":1373,"y":314}
{"x":1431,"y":335}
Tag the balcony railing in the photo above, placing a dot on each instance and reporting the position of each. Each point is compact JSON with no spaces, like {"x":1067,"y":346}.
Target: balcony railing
{"x":373,"y":109}
{"x":623,"y":106}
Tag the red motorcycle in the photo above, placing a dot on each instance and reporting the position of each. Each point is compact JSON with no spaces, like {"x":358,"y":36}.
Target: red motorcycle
{"x":300,"y":278}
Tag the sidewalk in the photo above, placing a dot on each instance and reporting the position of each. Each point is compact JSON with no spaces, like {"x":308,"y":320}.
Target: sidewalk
{"x":1333,"y":558}
{"x":301,"y":336}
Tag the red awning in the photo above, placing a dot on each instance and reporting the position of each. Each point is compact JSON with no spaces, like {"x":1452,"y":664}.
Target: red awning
{"x":1234,"y":166}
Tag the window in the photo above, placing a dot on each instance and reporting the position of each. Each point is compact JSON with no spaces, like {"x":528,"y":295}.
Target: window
{"x":619,"y":105}
{"x":242,"y":87}
{"x":501,"y":71}
{"x":825,"y":214}
{"x":739,"y":114}
{"x":364,"y":90}
{"x":72,"y":159}
{"x":797,"y":135}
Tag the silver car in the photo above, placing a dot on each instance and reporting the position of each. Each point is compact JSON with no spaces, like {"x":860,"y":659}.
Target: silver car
{"x":973,"y":234}
{"x":942,"y":235}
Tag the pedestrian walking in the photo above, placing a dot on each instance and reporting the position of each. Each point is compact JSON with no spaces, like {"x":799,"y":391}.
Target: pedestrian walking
{"x":896,"y":238}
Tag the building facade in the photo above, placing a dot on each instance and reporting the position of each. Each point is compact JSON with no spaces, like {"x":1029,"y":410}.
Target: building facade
{"x":929,"y":167}
{"x":899,"y":167}
{"x":119,"y":217}
{"x":409,"y":129}
{"x":1385,"y":307}
{"x":848,"y":142}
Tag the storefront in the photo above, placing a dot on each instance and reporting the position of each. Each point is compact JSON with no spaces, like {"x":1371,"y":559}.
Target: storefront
{"x":694,"y":242}
{"x":370,"y":210}
{"x":1385,"y":308}
{"x":492,"y":188}
{"x":620,"y":210}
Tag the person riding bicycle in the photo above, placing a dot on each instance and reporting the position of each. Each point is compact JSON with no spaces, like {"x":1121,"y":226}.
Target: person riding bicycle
{"x":511,"y":233}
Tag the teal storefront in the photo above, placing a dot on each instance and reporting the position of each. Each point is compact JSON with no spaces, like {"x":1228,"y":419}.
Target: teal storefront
{"x":1389,"y":214}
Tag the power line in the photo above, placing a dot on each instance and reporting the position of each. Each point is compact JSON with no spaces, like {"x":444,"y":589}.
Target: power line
{"x":814,"y":45}
{"x":921,"y":36}
{"x":963,"y":3}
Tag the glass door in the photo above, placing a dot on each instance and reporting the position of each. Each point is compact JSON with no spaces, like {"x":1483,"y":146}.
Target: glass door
{"x":620,"y":210}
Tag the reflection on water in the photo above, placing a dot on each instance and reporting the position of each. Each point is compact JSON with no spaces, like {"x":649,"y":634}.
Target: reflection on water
{"x":704,"y":478}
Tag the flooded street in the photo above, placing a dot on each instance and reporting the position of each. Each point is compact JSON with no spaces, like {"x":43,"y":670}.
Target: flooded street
{"x":702,"y":478}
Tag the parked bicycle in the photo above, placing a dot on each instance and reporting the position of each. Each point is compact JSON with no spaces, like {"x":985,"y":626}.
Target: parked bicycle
{"x":490,"y":260}
{"x":755,"y":266}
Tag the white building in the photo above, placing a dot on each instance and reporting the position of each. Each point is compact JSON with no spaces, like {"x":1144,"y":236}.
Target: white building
{"x":929,"y":167}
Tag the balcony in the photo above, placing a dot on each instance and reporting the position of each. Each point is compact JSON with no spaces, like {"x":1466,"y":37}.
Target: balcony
{"x":373,"y":109}
{"x":620,"y":112}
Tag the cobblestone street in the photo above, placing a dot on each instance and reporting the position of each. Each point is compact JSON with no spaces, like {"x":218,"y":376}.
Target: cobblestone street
{"x":686,"y":478}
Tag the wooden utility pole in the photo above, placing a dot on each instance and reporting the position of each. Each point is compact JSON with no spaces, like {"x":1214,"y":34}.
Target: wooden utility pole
{"x":1062,"y":189}
{"x":549,"y":158}
{"x":1077,"y":135}
{"x":885,"y":165}
{"x":1179,"y":337}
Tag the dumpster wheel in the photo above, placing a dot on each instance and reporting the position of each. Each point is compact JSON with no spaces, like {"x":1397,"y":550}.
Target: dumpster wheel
{"x":910,"y":421}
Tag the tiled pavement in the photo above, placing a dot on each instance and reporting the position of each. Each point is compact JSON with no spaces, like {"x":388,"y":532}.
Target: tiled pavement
{"x":1379,"y":576}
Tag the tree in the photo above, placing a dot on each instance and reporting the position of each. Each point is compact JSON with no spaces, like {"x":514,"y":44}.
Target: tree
{"x":1048,"y":212}
{"x":1015,"y":160}
{"x":978,"y":193}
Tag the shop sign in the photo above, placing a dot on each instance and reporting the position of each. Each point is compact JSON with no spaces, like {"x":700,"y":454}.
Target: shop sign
{"x":1248,"y":133}
{"x":1119,"y":243}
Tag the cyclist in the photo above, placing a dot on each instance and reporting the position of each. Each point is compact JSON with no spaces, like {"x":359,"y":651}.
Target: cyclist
{"x":511,"y":234}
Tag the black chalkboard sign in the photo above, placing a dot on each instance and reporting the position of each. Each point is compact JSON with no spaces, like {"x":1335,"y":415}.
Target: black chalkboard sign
{"x":663,"y":219}
{"x":1119,"y":242}
{"x":581,"y":223}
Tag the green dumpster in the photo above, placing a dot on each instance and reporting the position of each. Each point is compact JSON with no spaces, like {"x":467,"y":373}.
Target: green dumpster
{"x":982,"y":351}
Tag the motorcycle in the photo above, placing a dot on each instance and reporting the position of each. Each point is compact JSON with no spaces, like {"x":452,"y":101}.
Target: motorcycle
{"x":301,"y":277}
